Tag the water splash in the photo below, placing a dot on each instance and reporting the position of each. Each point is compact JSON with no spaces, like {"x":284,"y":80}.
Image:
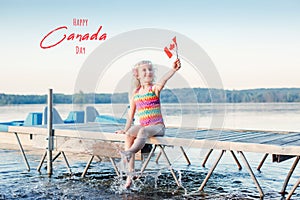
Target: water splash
{"x":156,"y":177}
{"x":227,"y":182}
{"x":180,"y":182}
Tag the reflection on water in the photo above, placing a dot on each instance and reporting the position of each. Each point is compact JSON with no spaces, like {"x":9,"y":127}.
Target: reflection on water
{"x":257,"y":116}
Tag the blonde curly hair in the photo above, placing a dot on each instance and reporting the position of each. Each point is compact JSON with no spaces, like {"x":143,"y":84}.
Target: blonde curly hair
{"x":135,"y":83}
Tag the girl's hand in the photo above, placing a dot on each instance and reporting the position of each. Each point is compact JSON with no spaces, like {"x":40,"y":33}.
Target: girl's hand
{"x":177,"y":65}
{"x":120,"y":132}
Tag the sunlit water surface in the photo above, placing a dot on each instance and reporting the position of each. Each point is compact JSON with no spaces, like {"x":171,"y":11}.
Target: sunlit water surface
{"x":101,"y":182}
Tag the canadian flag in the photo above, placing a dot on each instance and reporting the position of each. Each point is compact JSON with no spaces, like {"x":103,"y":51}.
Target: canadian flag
{"x":172,"y":48}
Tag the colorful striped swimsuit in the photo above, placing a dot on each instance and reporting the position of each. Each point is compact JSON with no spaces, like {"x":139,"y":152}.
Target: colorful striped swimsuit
{"x":148,"y":107}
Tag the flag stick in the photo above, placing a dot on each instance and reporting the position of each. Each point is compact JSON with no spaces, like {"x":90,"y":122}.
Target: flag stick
{"x":176,"y":47}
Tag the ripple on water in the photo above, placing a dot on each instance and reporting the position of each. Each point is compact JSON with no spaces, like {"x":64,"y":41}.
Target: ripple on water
{"x":102,"y":182}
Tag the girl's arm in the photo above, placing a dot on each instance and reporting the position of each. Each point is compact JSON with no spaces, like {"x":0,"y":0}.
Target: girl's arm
{"x":161,"y":84}
{"x":130,"y":117}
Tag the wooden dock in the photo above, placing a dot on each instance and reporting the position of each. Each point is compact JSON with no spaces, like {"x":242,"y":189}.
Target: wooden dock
{"x":100,"y":140}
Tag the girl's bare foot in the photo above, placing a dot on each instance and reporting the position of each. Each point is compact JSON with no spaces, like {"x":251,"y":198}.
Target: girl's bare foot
{"x":128,"y":182}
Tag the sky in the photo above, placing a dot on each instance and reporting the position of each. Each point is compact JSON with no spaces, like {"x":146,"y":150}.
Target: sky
{"x":252,"y":43}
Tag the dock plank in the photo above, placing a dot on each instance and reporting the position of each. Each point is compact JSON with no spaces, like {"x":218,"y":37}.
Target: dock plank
{"x":260,"y":138}
{"x":285,"y":143}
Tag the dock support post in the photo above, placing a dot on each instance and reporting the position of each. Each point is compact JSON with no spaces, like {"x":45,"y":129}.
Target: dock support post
{"x":167,"y":159}
{"x":293,"y":190}
{"x":66,"y":161}
{"x":232,"y":153}
{"x":262,"y":161}
{"x":87,"y":166}
{"x":183,"y":152}
{"x":158,"y":157}
{"x":170,"y":165}
{"x":185,"y":156}
{"x":206,"y":157}
{"x":236,"y":160}
{"x":148,"y":159}
{"x":211,"y":170}
{"x":251,"y":174}
{"x":22,"y":151}
{"x":41,"y":162}
{"x":50,"y":134}
{"x":114,"y":165}
{"x":286,"y":181}
{"x":56,"y":156}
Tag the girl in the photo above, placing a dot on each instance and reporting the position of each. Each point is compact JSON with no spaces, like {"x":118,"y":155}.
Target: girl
{"x":145,"y":100}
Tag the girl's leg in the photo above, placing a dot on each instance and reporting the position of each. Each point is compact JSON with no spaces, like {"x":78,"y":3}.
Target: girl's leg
{"x":130,"y":171}
{"x":128,"y":143}
{"x":131,"y":134}
{"x":130,"y":137}
{"x":136,"y":138}
{"x":143,"y":134}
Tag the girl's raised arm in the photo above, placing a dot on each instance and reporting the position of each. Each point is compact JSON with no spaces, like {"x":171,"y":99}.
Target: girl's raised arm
{"x":162,"y":82}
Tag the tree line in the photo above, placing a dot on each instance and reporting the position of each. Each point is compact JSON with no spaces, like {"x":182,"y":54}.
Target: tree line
{"x":185,"y":95}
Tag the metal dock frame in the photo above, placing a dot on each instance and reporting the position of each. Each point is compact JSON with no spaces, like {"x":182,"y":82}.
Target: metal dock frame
{"x":261,"y":194}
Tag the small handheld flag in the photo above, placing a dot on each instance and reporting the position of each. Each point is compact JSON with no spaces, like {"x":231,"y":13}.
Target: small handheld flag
{"x":172,"y":48}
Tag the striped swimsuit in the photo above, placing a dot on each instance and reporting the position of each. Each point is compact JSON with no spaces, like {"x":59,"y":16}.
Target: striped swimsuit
{"x":148,"y":108}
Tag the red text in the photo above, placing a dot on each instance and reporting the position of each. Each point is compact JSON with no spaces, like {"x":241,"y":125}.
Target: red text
{"x":80,"y":50}
{"x":80,"y":22}
{"x":72,"y":36}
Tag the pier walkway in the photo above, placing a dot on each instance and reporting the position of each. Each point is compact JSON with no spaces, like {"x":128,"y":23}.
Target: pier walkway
{"x":100,"y":140}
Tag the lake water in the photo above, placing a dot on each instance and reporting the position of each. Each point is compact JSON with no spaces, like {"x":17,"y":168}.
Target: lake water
{"x":227,"y":182}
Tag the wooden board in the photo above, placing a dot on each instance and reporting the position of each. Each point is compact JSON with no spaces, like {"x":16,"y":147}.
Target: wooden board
{"x":236,"y":140}
{"x":92,"y":147}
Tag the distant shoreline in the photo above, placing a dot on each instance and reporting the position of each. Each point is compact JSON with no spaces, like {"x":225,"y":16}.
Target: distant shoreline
{"x":185,"y":95}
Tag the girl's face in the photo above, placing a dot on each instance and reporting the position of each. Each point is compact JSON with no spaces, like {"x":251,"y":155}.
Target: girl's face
{"x":145,"y":73}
